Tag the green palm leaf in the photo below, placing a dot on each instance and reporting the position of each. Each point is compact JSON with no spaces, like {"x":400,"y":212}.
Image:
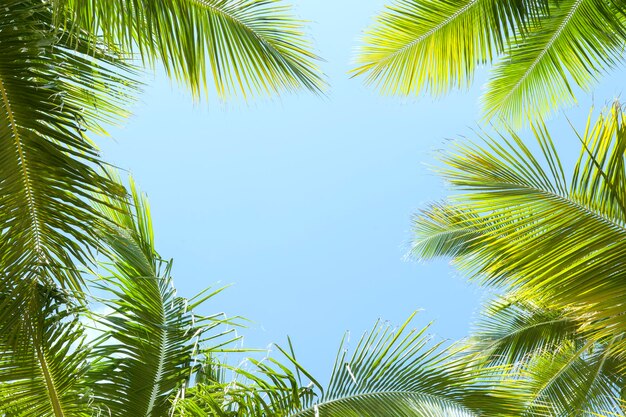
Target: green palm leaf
{"x":152,"y":343}
{"x":44,"y":376}
{"x":545,"y":48}
{"x":434,"y":45}
{"x":512,"y":331}
{"x":580,"y":40}
{"x":51,"y":90}
{"x":250,"y":46}
{"x":556,"y":241}
{"x":572,"y":381}
{"x":391,"y":372}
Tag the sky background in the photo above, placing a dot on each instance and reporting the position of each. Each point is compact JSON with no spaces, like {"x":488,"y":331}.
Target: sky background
{"x":303,"y":203}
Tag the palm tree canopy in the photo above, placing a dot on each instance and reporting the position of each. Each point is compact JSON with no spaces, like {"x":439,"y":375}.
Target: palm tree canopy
{"x":541,"y":50}
{"x":68,"y":71}
{"x":518,"y":223}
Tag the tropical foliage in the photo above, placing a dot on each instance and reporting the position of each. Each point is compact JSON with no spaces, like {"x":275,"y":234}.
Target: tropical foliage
{"x":541,"y":50}
{"x":153,"y":356}
{"x":519,"y":224}
{"x":68,"y":69}
{"x":552,"y":345}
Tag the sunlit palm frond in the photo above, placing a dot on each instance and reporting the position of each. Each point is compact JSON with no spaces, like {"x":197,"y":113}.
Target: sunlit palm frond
{"x":433,"y":45}
{"x":580,"y":40}
{"x":391,"y":372}
{"x":546,"y":50}
{"x":249,"y":46}
{"x":152,"y":342}
{"x":44,"y":376}
{"x":443,"y":230}
{"x":556,"y":241}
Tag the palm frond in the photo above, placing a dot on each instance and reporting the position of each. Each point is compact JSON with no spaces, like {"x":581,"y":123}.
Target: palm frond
{"x":433,"y":45}
{"x":555,"y":241}
{"x":44,"y":375}
{"x":576,"y":43}
{"x":250,"y":46}
{"x":48,"y":97}
{"x":545,"y":49}
{"x":512,"y":331}
{"x":573,"y":380}
{"x":443,"y":230}
{"x":152,"y":342}
{"x":391,"y":372}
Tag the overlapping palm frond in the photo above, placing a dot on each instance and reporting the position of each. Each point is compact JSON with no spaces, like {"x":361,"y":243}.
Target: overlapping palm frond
{"x":434,"y":45}
{"x":545,"y":356}
{"x":152,"y":343}
{"x":45,"y":376}
{"x":572,"y":380}
{"x":50,"y":92}
{"x":546,"y":48}
{"x":581,"y":40}
{"x":555,"y":241}
{"x":391,"y":372}
{"x":249,"y":46}
{"x":512,"y":331}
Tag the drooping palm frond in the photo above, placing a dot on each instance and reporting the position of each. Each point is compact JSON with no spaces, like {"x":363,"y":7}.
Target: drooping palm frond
{"x":556,"y":241}
{"x":433,"y":45}
{"x":49,"y":91}
{"x":579,"y":41}
{"x":250,"y":46}
{"x":152,"y":342}
{"x":44,"y":376}
{"x":546,"y":47}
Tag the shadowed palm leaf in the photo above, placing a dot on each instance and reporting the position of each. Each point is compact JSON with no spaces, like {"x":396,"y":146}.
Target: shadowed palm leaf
{"x":511,"y":331}
{"x":50,"y":92}
{"x":543,"y":355}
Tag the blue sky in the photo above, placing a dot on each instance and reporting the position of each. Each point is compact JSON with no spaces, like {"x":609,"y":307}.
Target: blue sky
{"x":304,"y":203}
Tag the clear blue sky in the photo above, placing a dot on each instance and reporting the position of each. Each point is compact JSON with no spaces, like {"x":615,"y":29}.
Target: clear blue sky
{"x":305,"y":203}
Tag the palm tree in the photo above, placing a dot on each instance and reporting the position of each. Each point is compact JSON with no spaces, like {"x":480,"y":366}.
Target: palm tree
{"x":542,"y":50}
{"x":518,"y":224}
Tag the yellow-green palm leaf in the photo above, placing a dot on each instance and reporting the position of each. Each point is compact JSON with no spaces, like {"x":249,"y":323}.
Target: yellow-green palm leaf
{"x":53,"y":86}
{"x":545,"y":49}
{"x":520,"y":224}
